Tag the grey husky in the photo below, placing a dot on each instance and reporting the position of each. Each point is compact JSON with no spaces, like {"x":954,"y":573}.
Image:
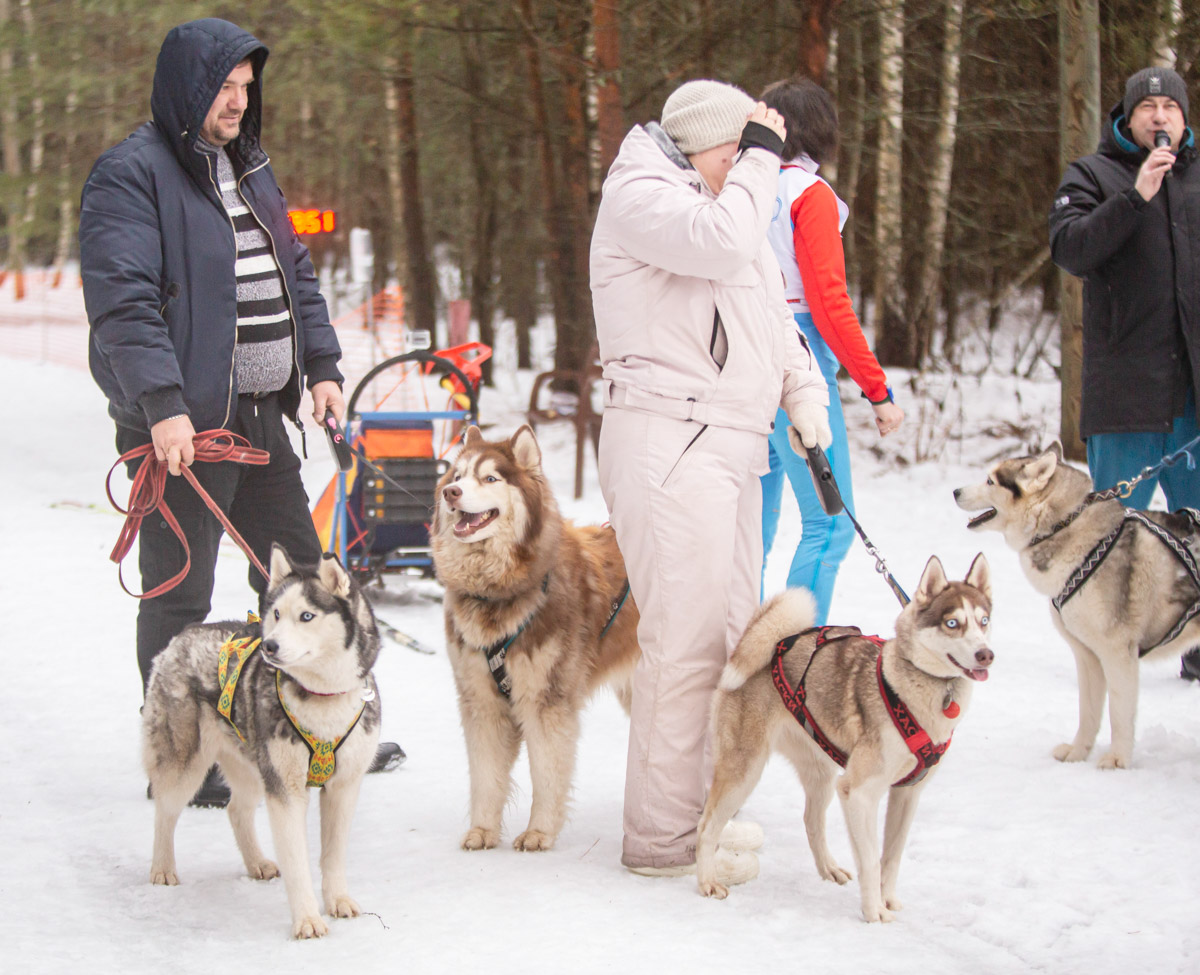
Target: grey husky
{"x":1118,"y":590}
{"x":298,"y":709}
{"x":828,"y":696}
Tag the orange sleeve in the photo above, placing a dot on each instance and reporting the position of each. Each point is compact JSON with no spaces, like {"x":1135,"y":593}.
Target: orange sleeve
{"x":818,"y":244}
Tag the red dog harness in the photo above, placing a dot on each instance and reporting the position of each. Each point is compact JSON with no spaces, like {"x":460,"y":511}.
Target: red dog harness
{"x":915,"y":737}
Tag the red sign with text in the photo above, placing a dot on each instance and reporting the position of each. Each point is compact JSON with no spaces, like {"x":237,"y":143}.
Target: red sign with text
{"x":313,"y":221}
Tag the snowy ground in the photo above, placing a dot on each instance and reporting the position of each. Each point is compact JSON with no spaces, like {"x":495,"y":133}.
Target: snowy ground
{"x":1015,"y":863}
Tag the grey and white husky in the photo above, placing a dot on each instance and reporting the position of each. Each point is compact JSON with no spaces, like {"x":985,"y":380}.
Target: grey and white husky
{"x":1125,"y":603}
{"x":828,"y":696}
{"x":301,"y":710}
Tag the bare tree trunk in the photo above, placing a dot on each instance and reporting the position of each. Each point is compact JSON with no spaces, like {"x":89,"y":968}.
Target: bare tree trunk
{"x":66,"y":201}
{"x":483,"y":247}
{"x":610,"y":120}
{"x":1079,"y":131}
{"x":1168,"y":29}
{"x":852,"y":83}
{"x":421,"y":290}
{"x":816,"y":23}
{"x":11,"y":150}
{"x":924,"y":311}
{"x":894,"y":336}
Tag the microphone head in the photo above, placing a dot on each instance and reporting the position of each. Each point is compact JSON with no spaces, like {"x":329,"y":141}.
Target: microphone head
{"x":1161,"y":139}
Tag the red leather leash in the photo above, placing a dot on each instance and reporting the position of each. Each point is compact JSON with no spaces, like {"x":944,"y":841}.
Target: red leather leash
{"x":146,"y":497}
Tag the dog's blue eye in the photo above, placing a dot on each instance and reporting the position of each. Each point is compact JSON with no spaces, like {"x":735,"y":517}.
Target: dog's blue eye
{"x":276,"y":614}
{"x":991,"y":483}
{"x":952,"y":624}
{"x":306,"y":617}
{"x":985,"y":621}
{"x":491,"y":478}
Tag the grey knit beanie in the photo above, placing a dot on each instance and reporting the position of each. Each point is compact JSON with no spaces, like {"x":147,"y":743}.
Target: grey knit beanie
{"x":1154,"y":81}
{"x":699,"y":115}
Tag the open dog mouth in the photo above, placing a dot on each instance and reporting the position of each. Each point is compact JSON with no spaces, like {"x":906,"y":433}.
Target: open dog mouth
{"x":982,"y":518}
{"x":470,"y":522}
{"x":975,"y":673}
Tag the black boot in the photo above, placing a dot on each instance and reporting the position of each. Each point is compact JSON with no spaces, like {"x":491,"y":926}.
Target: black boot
{"x":388,"y":756}
{"x":213,"y":792}
{"x":1189,"y":665}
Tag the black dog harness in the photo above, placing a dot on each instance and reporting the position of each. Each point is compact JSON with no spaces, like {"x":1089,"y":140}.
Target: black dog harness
{"x":1178,"y":546}
{"x":915,"y":737}
{"x":498,"y":651}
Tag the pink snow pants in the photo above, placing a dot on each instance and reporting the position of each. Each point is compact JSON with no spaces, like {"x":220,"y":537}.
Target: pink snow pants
{"x":686,"y":504}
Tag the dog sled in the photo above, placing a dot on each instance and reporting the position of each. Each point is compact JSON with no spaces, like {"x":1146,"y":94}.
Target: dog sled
{"x":402,"y":420}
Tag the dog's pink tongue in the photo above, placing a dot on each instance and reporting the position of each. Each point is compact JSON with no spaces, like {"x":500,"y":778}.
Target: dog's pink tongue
{"x":980,"y":673}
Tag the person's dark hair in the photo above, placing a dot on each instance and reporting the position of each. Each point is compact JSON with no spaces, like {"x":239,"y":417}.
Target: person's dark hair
{"x":810,"y":115}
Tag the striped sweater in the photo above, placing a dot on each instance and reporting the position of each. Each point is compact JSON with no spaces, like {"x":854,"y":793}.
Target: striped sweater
{"x":264,"y":356}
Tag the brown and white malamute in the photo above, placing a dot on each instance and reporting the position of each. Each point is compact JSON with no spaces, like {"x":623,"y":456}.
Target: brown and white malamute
{"x":538,"y":616}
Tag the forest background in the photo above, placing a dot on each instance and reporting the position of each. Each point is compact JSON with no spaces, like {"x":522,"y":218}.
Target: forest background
{"x":471,"y":138}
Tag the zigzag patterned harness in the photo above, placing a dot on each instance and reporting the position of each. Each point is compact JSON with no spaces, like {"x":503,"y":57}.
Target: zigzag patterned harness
{"x":1096,"y":556}
{"x":231,"y":658}
{"x":915,"y":737}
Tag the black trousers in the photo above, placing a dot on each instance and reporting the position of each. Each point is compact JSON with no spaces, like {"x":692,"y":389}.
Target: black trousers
{"x":265,"y":504}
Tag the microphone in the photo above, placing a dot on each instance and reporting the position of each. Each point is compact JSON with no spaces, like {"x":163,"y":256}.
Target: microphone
{"x":1162,"y":139}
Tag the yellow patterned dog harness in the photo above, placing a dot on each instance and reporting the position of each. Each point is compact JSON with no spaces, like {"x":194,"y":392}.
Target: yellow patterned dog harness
{"x":231,"y":658}
{"x":321,"y":759}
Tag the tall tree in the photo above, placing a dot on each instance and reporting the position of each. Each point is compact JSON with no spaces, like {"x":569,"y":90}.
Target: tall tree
{"x":923,"y":310}
{"x":816,"y":26}
{"x":1079,"y":131}
{"x":895,"y":338}
{"x":610,"y":120}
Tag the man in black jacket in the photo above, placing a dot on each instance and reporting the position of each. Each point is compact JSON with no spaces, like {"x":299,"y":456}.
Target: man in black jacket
{"x":205,"y":312}
{"x":1126,"y":219}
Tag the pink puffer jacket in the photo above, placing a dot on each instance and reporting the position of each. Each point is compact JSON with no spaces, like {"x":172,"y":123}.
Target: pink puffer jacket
{"x":667,"y":257}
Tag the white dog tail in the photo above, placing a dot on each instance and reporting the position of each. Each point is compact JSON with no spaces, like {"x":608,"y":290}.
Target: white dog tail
{"x":782,"y":615}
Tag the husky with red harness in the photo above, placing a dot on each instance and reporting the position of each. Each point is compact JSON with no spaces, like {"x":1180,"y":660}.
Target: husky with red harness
{"x":825,"y":697}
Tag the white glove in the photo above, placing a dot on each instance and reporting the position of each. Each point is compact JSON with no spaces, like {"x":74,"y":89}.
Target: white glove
{"x":810,"y":427}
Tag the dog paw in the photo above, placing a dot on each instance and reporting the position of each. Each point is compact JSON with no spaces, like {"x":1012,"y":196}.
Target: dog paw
{"x":264,"y":870}
{"x":478,"y":838}
{"x":164,"y":878}
{"x":710,"y":888}
{"x":1067,"y":752}
{"x":835,"y":873}
{"x":1113,"y":760}
{"x":893,"y":903}
{"x":342,"y":905}
{"x":309,"y":927}
{"x":533,"y":840}
{"x":877,"y":914}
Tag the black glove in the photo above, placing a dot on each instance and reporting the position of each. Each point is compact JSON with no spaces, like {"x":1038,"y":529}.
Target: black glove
{"x":758,"y":136}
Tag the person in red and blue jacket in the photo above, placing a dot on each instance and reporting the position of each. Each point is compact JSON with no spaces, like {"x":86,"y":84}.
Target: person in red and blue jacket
{"x":805,"y":234}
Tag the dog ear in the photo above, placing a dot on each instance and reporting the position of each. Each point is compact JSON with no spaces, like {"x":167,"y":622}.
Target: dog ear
{"x":1058,"y":451}
{"x":525,"y":448}
{"x":472,"y":437}
{"x":1037,"y":473}
{"x":280,"y":566}
{"x":333,"y":577}
{"x":933,"y":581}
{"x":980,"y":576}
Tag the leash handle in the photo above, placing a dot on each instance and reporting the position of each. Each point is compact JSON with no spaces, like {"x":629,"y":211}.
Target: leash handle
{"x":146,"y":495}
{"x":343,"y":457}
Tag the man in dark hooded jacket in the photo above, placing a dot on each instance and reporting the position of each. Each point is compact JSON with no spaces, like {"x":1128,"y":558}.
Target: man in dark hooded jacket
{"x":1126,"y":219}
{"x":205,"y":312}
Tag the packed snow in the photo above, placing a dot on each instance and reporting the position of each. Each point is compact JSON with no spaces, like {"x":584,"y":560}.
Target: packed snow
{"x":1015,"y":863}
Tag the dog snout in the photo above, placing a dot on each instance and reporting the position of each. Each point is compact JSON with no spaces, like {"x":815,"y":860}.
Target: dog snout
{"x":957,"y":493}
{"x":269,"y":648}
{"x":984,"y":657}
{"x":451,"y":493}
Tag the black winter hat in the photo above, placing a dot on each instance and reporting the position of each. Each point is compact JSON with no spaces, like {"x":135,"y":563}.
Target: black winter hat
{"x":1154,"y":81}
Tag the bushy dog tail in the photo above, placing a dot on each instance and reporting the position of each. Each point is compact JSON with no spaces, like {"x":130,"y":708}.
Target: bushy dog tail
{"x":782,"y":615}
